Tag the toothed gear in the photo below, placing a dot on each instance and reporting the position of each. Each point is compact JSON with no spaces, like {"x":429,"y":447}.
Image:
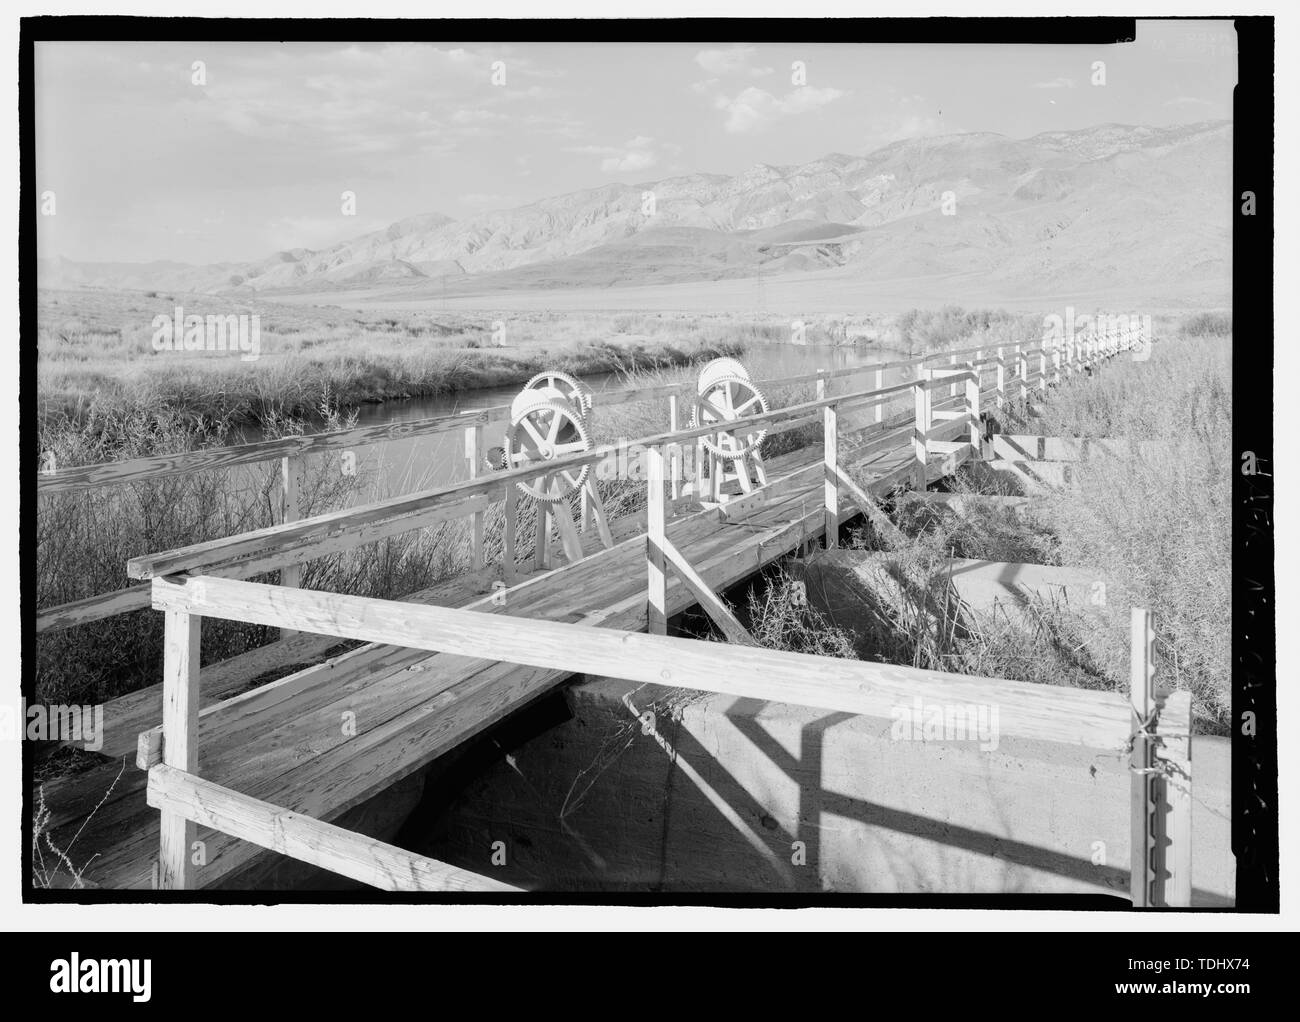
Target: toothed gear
{"x":729,"y":398}
{"x":542,"y":431}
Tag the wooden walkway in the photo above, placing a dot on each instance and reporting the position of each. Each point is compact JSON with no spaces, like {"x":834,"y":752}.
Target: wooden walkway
{"x":330,"y":736}
{"x":411,"y":706}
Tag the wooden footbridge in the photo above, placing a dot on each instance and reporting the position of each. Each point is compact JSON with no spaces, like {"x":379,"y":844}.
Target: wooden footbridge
{"x":232,"y":771}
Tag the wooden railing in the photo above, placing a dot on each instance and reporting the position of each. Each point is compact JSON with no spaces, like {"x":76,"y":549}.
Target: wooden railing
{"x":205,"y":580}
{"x":293,"y":451}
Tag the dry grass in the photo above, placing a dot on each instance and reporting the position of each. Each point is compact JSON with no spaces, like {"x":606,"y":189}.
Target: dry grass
{"x":1154,"y":524}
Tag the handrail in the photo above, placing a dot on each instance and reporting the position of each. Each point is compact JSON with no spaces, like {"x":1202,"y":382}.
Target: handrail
{"x":283,"y":544}
{"x":292,"y":543}
{"x":292,"y":449}
{"x":158,"y":466}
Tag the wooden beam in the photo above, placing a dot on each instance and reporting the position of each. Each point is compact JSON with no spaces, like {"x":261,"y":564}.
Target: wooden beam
{"x":180,"y":794}
{"x":291,"y":497}
{"x":831,"y":475}
{"x":180,"y":749}
{"x":1049,"y":713}
{"x":656,"y":582}
{"x":162,"y":466}
{"x":920,"y":430}
{"x":474,"y":456}
{"x":92,"y":608}
{"x":873,"y":511}
{"x":973,"y":409}
{"x":719,"y":613}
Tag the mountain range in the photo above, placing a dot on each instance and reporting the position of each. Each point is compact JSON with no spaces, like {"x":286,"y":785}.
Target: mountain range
{"x":1093,"y":208}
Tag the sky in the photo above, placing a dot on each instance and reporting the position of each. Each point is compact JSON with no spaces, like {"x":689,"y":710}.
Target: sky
{"x":215,"y":152}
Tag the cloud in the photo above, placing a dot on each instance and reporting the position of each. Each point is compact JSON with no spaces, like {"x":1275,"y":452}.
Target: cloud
{"x":724,"y":62}
{"x":636,"y":154}
{"x":753,"y":109}
{"x":1055,"y":83}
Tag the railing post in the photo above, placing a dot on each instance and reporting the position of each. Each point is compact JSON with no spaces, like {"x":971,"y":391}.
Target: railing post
{"x":880,"y":385}
{"x":509,"y":534}
{"x":1042,"y":370}
{"x":973,"y":409}
{"x":952,"y":387}
{"x":920,"y":429}
{"x":1002,"y":381}
{"x":1022,"y":370}
{"x":291,"y":473}
{"x":473,"y":455}
{"x":831,"y":468}
{"x":656,"y":581}
{"x":180,"y":721}
{"x":674,"y":458}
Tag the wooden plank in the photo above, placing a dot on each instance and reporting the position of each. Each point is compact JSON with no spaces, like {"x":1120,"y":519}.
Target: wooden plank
{"x":656,"y":594}
{"x":873,"y":511}
{"x":1048,"y":713}
{"x":180,"y":726}
{"x":162,"y":466}
{"x":250,"y":553}
{"x":674,"y":457}
{"x":920,"y":431}
{"x":509,"y":540}
{"x":831,"y":475}
{"x":179,"y":793}
{"x":291,"y":496}
{"x":719,"y":613}
{"x":973,"y":411}
{"x":92,"y":608}
{"x":474,"y":457}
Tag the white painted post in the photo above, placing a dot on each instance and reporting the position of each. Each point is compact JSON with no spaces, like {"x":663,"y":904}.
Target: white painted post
{"x":656,"y":581}
{"x":880,"y":385}
{"x":291,"y":496}
{"x":473,"y":455}
{"x":180,"y":721}
{"x":831,"y":485}
{"x":674,"y":458}
{"x":973,"y":409}
{"x":508,"y":554}
{"x":1042,"y":371}
{"x":1002,"y":381}
{"x":920,"y":429}
{"x":952,"y":387}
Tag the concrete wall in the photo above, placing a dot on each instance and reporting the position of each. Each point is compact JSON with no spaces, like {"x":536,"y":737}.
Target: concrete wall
{"x":727,"y":795}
